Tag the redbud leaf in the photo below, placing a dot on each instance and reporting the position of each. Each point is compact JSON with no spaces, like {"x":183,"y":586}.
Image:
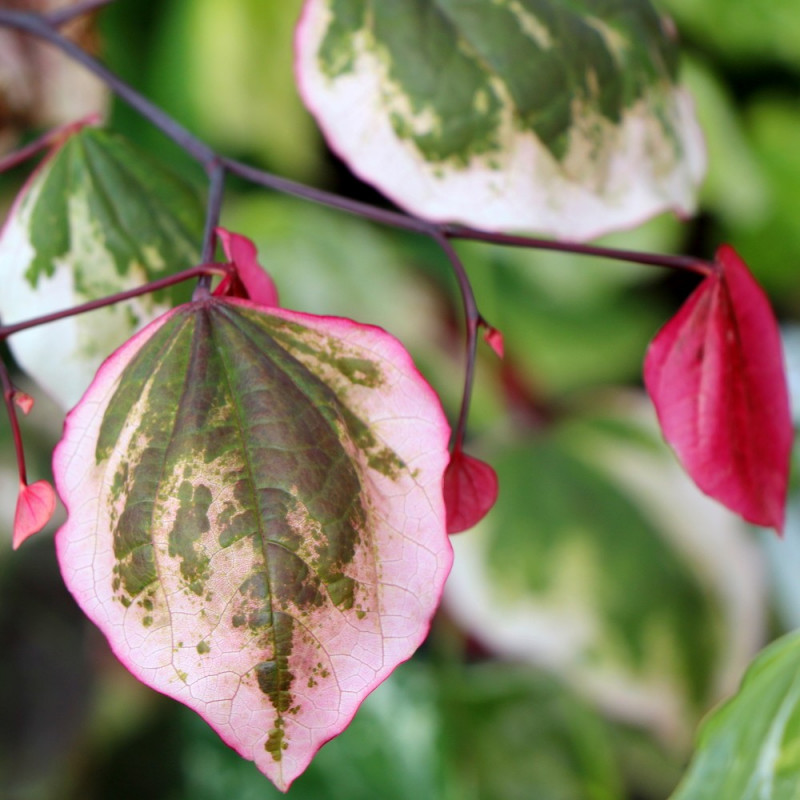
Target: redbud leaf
{"x":561,"y":118}
{"x":715,"y":374}
{"x":97,"y":216}
{"x":470,"y":490}
{"x":36,"y":503}
{"x":256,"y":519}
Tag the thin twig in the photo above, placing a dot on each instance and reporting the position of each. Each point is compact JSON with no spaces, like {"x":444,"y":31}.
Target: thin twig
{"x":93,"y":305}
{"x":472,"y":319}
{"x":8,"y":399}
{"x":62,"y":16}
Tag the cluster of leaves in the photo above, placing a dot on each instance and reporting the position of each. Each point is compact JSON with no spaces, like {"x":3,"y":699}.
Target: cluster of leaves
{"x":259,"y":499}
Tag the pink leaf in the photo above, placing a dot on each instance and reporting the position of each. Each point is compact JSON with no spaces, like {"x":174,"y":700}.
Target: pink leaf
{"x":241,"y":252}
{"x":494,"y":338}
{"x":715,"y":373}
{"x":470,"y":490}
{"x":24,"y":401}
{"x":35,"y":506}
{"x":256,"y":519}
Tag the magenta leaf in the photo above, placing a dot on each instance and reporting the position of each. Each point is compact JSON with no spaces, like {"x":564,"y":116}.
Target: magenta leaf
{"x":715,"y":373}
{"x":241,"y":252}
{"x":470,"y":490}
{"x":35,"y":506}
{"x":23,"y":401}
{"x":256,"y":518}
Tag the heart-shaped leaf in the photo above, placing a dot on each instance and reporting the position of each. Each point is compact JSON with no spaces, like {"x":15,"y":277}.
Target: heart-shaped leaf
{"x":256,"y":518}
{"x":35,"y":506}
{"x":96,"y":217}
{"x":562,"y":118}
{"x":715,"y":373}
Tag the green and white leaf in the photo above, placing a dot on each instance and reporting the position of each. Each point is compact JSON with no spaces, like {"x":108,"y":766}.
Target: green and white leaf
{"x":97,"y":217}
{"x":559,"y":118}
{"x":749,"y":749}
{"x":588,"y":568}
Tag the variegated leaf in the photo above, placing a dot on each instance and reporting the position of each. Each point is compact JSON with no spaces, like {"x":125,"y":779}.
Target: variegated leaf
{"x":97,"y":217}
{"x":562,"y":118}
{"x":256,"y":518}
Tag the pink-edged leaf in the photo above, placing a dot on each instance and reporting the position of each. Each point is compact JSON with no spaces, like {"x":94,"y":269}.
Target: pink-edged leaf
{"x":470,"y":490}
{"x":715,"y":374}
{"x":23,"y":401}
{"x":241,"y":252}
{"x":36,"y":503}
{"x":256,"y":518}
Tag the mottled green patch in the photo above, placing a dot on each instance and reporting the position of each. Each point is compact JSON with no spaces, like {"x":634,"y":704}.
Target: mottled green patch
{"x":191,"y":523}
{"x":337,"y":53}
{"x":452,"y":66}
{"x":203,"y":647}
{"x":98,"y":191}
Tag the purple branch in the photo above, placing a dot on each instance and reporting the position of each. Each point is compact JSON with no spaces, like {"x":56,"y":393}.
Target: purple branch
{"x":93,"y":305}
{"x":40,"y":27}
{"x":472,"y":319}
{"x":62,"y":16}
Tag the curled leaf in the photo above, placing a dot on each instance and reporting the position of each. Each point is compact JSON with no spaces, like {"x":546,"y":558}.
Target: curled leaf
{"x":470,"y":490}
{"x":258,"y":285}
{"x":35,"y":506}
{"x":715,"y":374}
{"x":256,"y":519}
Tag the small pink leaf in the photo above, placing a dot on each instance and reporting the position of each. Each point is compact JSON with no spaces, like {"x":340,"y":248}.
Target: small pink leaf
{"x":256,"y":518}
{"x":24,"y":401}
{"x":494,"y":338}
{"x":241,"y":252}
{"x":470,"y":490}
{"x":35,"y":506}
{"x":715,"y":374}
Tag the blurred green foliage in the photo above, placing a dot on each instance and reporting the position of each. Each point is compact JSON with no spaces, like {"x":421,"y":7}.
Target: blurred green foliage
{"x":471,"y":717}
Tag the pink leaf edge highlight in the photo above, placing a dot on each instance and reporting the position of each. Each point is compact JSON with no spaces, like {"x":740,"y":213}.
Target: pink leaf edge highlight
{"x":36,"y":504}
{"x":470,"y":490}
{"x":716,"y":376}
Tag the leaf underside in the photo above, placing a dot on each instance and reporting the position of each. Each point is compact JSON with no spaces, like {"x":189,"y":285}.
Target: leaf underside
{"x":255,"y":518}
{"x":529,"y":114}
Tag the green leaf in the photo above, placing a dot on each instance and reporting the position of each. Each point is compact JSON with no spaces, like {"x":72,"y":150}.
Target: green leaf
{"x":561,"y":118}
{"x":97,"y":217}
{"x":749,"y":748}
{"x":256,"y":519}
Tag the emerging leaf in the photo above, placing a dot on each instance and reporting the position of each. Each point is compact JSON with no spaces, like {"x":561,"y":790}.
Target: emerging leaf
{"x":96,"y":217}
{"x":256,"y":517}
{"x":715,"y":373}
{"x":257,"y":284}
{"x":470,"y":490}
{"x":23,"y":401}
{"x":562,"y":118}
{"x":35,"y":506}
